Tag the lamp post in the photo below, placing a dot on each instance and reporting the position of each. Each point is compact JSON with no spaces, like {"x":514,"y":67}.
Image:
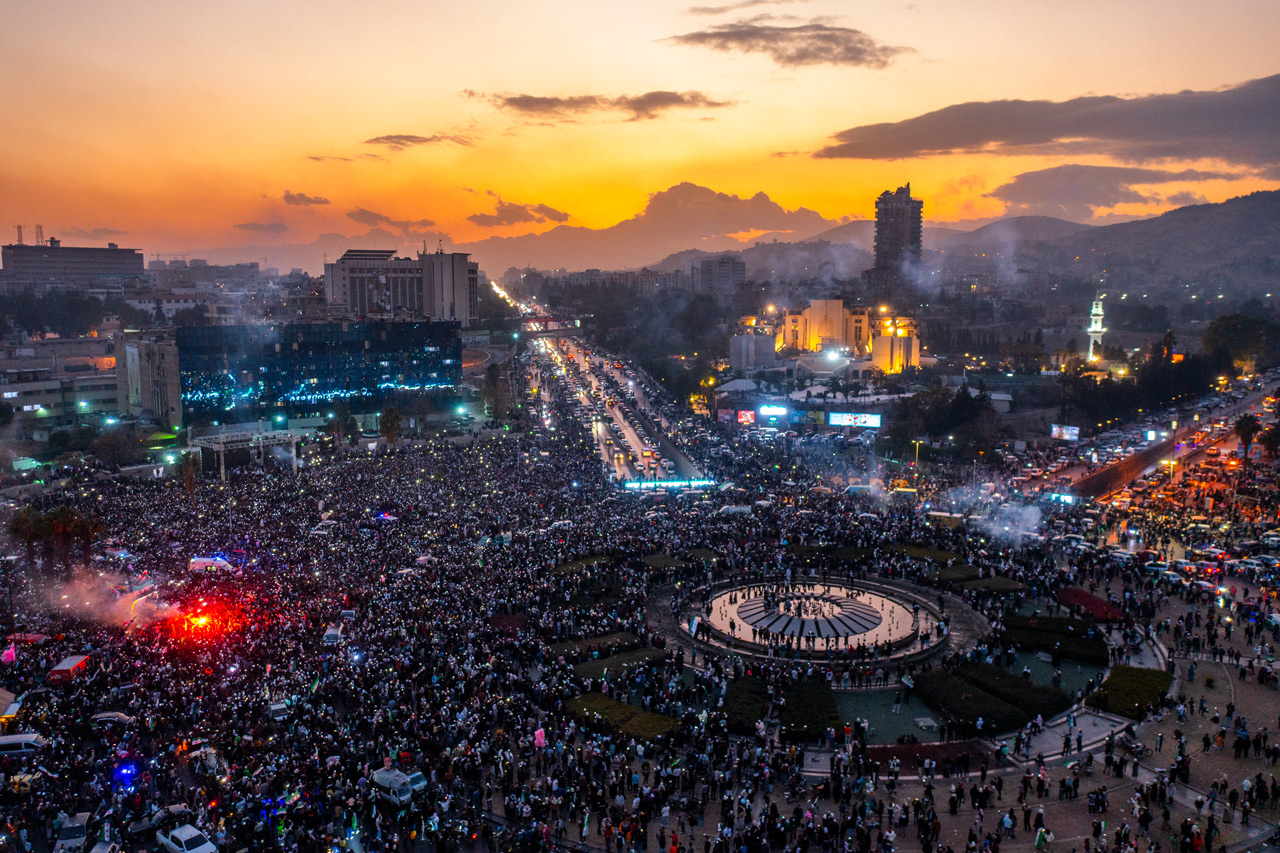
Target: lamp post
{"x":916,"y":465}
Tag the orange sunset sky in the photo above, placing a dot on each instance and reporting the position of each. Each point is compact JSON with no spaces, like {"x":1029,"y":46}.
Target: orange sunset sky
{"x":175,"y":127}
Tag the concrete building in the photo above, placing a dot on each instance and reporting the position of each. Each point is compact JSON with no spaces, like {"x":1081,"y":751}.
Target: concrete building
{"x":899,"y":229}
{"x":375,"y":283}
{"x":826,"y":324}
{"x":147,"y":381}
{"x":895,"y":346}
{"x":718,"y":276}
{"x":749,"y":350}
{"x":54,"y":266}
{"x":58,"y":383}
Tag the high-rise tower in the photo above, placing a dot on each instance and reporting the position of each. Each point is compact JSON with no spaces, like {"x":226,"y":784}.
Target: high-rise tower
{"x":899,"y":229}
{"x":1096,"y":330}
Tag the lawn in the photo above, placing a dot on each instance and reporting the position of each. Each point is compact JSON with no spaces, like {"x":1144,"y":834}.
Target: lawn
{"x":623,"y":640}
{"x":628,"y":720}
{"x":809,"y":711}
{"x":663,"y":561}
{"x":995,"y":584}
{"x":918,"y":552}
{"x":595,"y":668}
{"x":582,"y":563}
{"x":744,"y":704}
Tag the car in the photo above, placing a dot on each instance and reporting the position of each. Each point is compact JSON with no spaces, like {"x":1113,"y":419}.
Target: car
{"x":185,"y":839}
{"x":105,"y":847}
{"x":159,"y":818}
{"x":73,"y":834}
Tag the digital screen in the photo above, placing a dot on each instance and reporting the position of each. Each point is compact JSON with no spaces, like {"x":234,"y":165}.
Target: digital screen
{"x":800,"y":416}
{"x":772,"y":411}
{"x":1066,"y":433}
{"x":852,"y":419}
{"x":724,"y":416}
{"x":746,"y":417}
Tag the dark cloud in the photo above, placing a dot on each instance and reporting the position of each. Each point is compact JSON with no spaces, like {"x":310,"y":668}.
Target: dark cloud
{"x":1184,"y":199}
{"x":1231,"y":124}
{"x":646,"y":106}
{"x":93,"y":233}
{"x":509,"y":213}
{"x":369,"y":217}
{"x":263,"y":227}
{"x":1077,"y":191}
{"x":302,"y":199}
{"x":737,"y":7}
{"x":814,"y":43}
{"x":324,"y":158}
{"x":401,"y":141}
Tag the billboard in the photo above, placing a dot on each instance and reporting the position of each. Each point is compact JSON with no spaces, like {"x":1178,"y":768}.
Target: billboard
{"x":746,"y":416}
{"x":1066,"y":433}
{"x":852,"y":419}
{"x":724,"y":416}
{"x":773,"y":411}
{"x":799,"y":416}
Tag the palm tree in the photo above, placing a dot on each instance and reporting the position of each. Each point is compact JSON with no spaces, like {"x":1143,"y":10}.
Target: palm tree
{"x":26,"y":527}
{"x":1270,"y":441}
{"x":389,"y":426}
{"x":1247,"y":428}
{"x":62,"y":527}
{"x":186,"y":472}
{"x":85,"y":530}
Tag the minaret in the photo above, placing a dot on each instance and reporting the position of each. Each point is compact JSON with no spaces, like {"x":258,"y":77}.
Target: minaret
{"x":1096,"y":330}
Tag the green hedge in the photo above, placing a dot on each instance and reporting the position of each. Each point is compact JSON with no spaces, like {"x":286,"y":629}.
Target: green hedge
{"x":1043,"y":632}
{"x":809,"y":712}
{"x":964,"y":702}
{"x":744,"y":704}
{"x":1129,"y":689}
{"x":625,"y":719}
{"x":1016,"y":690}
{"x":595,"y":668}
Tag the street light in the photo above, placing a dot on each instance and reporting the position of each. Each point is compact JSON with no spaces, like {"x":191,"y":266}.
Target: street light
{"x":916,"y":465}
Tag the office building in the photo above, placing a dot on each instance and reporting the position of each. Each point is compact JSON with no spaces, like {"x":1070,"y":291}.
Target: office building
{"x":719,"y":276}
{"x":374,"y":283}
{"x":899,"y":230}
{"x":895,"y":346}
{"x":147,"y":381}
{"x":825,"y":325}
{"x":240,"y":374}
{"x":51,"y":265}
{"x":752,"y":349}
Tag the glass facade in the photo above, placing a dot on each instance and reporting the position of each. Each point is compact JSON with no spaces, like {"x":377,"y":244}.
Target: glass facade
{"x":235,"y":374}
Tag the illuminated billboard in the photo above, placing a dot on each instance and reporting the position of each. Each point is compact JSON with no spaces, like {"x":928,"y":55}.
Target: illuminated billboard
{"x":746,"y":416}
{"x":772,"y":411}
{"x":852,"y":419}
{"x":724,"y":416}
{"x":799,"y":416}
{"x":1066,"y":433}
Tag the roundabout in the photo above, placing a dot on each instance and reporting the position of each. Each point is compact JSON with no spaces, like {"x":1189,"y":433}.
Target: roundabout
{"x":815,"y":616}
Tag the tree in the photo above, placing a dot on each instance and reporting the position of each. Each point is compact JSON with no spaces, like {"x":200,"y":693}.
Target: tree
{"x":26,"y":528}
{"x":1270,"y":441}
{"x":1247,"y":428}
{"x":63,"y":521}
{"x":1252,"y":341}
{"x":186,"y":472}
{"x":117,"y":448}
{"x":85,"y":530}
{"x":341,"y":425}
{"x":389,"y":426}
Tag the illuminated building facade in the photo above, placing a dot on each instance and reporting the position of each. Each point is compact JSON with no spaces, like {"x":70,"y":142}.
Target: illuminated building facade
{"x":826,"y":324}
{"x":238,"y":374}
{"x":373,"y":282}
{"x":896,"y":345}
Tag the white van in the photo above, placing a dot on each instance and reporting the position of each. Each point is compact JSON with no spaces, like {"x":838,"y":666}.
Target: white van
{"x":333,"y":634}
{"x":20,"y":745}
{"x":393,"y":787}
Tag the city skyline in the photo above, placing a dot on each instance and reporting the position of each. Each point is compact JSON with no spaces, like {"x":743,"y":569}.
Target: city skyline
{"x":236,"y":125}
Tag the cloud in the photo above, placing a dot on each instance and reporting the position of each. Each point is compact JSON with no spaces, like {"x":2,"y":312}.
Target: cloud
{"x":401,"y":141}
{"x":369,"y":217}
{"x":737,"y":7}
{"x":1077,"y":191}
{"x":93,"y":233}
{"x":509,"y":213}
{"x":324,"y":158}
{"x":645,"y":106}
{"x":263,"y":227}
{"x":302,"y":199}
{"x":1229,"y":124}
{"x":814,"y":43}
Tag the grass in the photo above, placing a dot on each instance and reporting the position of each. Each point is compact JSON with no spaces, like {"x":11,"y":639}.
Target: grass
{"x":965,"y":702}
{"x":1128,"y":691}
{"x":1017,"y":691}
{"x":595,"y":668}
{"x":625,"y":639}
{"x":809,"y":711}
{"x":582,"y":563}
{"x":744,"y":704}
{"x":664,"y":561}
{"x":962,"y":573}
{"x":625,"y":719}
{"x":921,"y":553}
{"x":704,"y":554}
{"x":1069,"y":636}
{"x":996,"y":584}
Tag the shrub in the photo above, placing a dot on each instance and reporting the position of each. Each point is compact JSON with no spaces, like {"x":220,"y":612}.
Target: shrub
{"x":595,"y":668}
{"x":625,"y":719}
{"x":745,"y":701}
{"x":809,"y":712}
{"x":962,"y":701}
{"x":1069,"y":636}
{"x":1017,"y":691}
{"x":1128,"y":691}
